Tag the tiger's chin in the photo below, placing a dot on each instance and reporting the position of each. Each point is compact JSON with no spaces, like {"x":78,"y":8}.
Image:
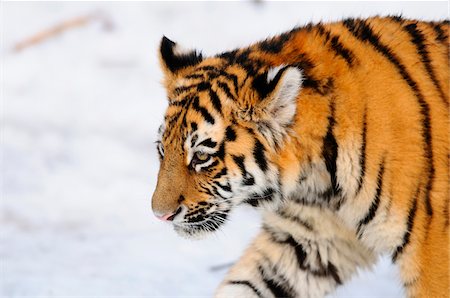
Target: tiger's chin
{"x":201,"y":226}
{"x":197,"y":231}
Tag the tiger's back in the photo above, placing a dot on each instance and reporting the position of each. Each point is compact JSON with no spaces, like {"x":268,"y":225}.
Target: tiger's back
{"x":388,"y":89}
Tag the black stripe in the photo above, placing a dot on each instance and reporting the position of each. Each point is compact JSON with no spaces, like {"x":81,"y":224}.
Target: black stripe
{"x":220,"y":154}
{"x":418,"y":40}
{"x":216,"y":192}
{"x":247,"y":284}
{"x":333,"y":271}
{"x":300,"y":252}
{"x":325,"y":33}
{"x":330,"y":154}
{"x":397,"y":18}
{"x":184,"y":124}
{"x":251,"y":65}
{"x":208,"y":68}
{"x":275,"y":44}
{"x":224,"y":87}
{"x":212,"y":73}
{"x":276,"y":236}
{"x":230,"y":134}
{"x":179,"y":90}
{"x":310,"y":83}
{"x":256,"y":199}
{"x":179,"y":103}
{"x":215,"y":100}
{"x":338,"y":48}
{"x":226,"y":187}
{"x":375,"y":202}
{"x":204,"y":112}
{"x":441,"y":37}
{"x":195,"y":76}
{"x":295,"y":219}
{"x":322,"y":86}
{"x":209,"y":167}
{"x":194,"y":126}
{"x":194,"y":140}
{"x":208,"y":143}
{"x":242,"y":58}
{"x":233,"y":78}
{"x":277,"y":290}
{"x":215,"y":73}
{"x":239,"y":161}
{"x":362,"y":154}
{"x":260,"y":156}
{"x":176,"y":117}
{"x":247,"y":178}
{"x":206,"y":190}
{"x":330,"y":269}
{"x":409,"y":227}
{"x":203,"y":86}
{"x":250,"y":131}
{"x":252,"y":202}
{"x":222,"y":172}
{"x":304,"y":62}
{"x":362,"y":31}
{"x":323,"y":270}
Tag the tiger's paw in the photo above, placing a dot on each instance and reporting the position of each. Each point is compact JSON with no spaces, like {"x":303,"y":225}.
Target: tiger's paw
{"x":237,"y":289}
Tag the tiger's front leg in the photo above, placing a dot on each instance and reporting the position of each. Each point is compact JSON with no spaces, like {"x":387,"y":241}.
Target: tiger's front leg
{"x":300,"y":252}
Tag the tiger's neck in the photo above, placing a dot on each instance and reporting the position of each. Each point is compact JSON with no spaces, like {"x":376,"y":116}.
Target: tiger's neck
{"x":310,"y":168}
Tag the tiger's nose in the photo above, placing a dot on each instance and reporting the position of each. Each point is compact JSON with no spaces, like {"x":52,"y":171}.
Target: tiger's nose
{"x":169,"y":216}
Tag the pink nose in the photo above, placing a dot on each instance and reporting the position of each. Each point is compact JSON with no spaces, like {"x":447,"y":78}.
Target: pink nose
{"x":166,"y":217}
{"x":169,"y":216}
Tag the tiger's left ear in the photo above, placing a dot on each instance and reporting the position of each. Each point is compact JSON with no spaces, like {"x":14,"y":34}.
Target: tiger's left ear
{"x":174,"y":58}
{"x":278,"y":90}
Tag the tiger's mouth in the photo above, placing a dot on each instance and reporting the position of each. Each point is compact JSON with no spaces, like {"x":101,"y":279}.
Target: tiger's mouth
{"x":201,"y":226}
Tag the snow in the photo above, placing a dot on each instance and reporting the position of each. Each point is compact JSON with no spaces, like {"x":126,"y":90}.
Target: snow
{"x":79,"y":116}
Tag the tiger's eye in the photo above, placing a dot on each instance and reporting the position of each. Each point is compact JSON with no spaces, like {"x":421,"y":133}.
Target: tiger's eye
{"x":201,"y":156}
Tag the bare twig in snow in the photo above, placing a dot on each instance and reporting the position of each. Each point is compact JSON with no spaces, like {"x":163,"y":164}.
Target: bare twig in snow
{"x":62,"y":27}
{"x":220,"y":267}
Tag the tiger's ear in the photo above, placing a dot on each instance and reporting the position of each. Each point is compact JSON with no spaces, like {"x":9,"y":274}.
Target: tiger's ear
{"x":174,"y":58}
{"x":278,"y":90}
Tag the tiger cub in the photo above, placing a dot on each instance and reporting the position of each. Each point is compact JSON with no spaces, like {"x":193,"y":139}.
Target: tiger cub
{"x":338,"y":133}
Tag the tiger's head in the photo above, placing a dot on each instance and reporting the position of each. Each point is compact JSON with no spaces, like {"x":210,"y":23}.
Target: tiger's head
{"x":226,"y":118}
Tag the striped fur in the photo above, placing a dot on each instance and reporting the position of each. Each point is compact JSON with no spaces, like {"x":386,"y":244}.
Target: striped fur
{"x":338,"y":132}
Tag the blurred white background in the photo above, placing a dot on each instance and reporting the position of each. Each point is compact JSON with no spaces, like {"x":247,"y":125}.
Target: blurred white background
{"x":79,"y":115}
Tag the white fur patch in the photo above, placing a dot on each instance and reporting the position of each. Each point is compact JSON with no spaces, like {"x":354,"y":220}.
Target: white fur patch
{"x":272,"y":73}
{"x":283,"y":105}
{"x":180,"y":50}
{"x":349,"y":168}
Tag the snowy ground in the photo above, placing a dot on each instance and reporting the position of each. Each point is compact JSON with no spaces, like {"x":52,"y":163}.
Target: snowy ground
{"x":78,"y":164}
